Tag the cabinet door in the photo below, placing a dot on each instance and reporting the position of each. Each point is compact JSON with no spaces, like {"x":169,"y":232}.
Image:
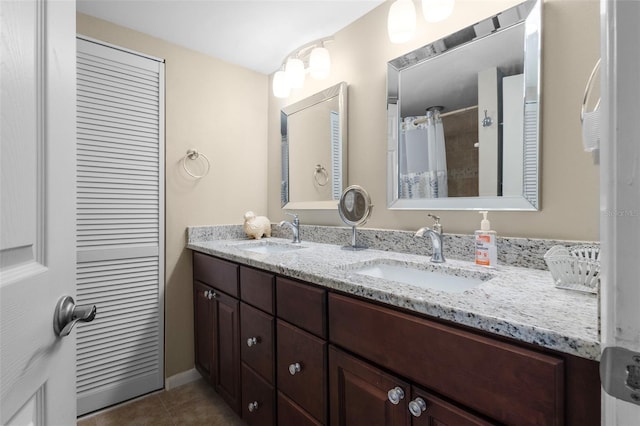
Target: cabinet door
{"x":226,"y":349}
{"x":359,"y":393}
{"x":203,"y":329}
{"x":429,"y":410}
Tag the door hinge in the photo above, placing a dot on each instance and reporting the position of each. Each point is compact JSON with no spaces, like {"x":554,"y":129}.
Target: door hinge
{"x":620,"y":373}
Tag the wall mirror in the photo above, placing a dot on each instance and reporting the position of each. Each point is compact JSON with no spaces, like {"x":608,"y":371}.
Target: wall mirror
{"x":314,"y":150}
{"x":463,"y":116}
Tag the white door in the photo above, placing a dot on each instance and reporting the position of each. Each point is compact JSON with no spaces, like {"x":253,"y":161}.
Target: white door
{"x":620,"y":213}
{"x":37,"y":210}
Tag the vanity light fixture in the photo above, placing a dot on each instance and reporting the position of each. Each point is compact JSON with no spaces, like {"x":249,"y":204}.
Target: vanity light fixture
{"x":313,"y":58}
{"x":281,"y":88}
{"x":294,"y":71}
{"x":401,"y":21}
{"x":319,"y":63}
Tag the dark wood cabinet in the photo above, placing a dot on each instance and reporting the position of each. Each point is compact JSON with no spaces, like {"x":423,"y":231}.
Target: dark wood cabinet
{"x":359,"y":393}
{"x":258,"y":341}
{"x":258,"y":399}
{"x":508,"y":383}
{"x":217,"y":329}
{"x":282,"y":351}
{"x":362,"y":394}
{"x":203,"y":330}
{"x":302,"y":369}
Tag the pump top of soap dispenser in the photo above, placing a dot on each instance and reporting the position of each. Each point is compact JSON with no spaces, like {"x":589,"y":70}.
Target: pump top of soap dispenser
{"x":485,"y":225}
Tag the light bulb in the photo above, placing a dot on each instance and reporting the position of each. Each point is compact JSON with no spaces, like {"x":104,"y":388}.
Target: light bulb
{"x":401,"y":22}
{"x":319,"y":63}
{"x":294,"y":70}
{"x":437,"y":10}
{"x":281,"y":88}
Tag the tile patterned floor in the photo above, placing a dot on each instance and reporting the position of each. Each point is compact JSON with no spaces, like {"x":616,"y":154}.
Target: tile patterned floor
{"x":191,"y":404}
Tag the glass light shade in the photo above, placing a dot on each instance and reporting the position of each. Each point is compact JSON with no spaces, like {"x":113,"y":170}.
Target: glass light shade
{"x":319,"y":63}
{"x":401,"y":22}
{"x":294,"y":70}
{"x":437,"y":10}
{"x":281,"y":88}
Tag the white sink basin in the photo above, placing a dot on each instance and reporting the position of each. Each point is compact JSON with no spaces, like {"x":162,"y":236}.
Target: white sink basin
{"x":268,"y":247}
{"x":423,"y":278}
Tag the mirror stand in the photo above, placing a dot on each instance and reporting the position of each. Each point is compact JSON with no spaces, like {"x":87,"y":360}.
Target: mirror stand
{"x":353,"y":245}
{"x":354,"y":208}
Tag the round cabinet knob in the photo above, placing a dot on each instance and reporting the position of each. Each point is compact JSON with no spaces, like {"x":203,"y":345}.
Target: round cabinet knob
{"x":253,"y":406}
{"x":395,"y":395}
{"x":252,"y":341}
{"x":417,"y":407}
{"x":212,"y":295}
{"x":295,"y":368}
{"x":206,"y":294}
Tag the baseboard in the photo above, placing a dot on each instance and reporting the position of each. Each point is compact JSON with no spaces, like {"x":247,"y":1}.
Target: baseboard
{"x":181,"y":379}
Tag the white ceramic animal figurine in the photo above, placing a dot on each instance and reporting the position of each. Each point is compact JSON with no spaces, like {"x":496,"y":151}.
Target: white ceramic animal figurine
{"x":256,"y":226}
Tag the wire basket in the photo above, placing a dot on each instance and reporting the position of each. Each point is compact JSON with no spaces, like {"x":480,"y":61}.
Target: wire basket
{"x":575,"y":268}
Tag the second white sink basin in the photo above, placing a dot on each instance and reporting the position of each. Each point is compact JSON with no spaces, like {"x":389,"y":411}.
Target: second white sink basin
{"x":423,"y":278}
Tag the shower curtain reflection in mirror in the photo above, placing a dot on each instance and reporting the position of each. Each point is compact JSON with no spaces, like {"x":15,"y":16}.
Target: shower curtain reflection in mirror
{"x":423,"y":159}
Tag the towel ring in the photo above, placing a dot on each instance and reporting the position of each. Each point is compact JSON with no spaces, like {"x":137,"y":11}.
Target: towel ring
{"x":320,"y":175}
{"x":587,"y":91}
{"x":193,"y":154}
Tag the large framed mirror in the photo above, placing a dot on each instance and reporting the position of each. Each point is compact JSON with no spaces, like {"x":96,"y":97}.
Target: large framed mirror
{"x":314,"y":150}
{"x":464,"y":117}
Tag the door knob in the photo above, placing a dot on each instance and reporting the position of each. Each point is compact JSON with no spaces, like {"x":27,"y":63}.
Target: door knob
{"x":67,"y":314}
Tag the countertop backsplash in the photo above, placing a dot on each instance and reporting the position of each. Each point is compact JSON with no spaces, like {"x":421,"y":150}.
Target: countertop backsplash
{"x":521,"y":252}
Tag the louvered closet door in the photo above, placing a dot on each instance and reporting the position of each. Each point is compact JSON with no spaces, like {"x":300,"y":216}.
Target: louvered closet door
{"x":120,"y":224}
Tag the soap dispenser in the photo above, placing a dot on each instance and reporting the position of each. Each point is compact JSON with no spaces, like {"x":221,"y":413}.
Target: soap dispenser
{"x":486,"y":249}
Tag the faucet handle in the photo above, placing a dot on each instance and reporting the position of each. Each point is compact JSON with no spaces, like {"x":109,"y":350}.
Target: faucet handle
{"x":437,"y":226}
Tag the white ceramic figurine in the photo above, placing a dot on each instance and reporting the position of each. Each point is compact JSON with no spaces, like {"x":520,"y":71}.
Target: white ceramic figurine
{"x":256,"y":226}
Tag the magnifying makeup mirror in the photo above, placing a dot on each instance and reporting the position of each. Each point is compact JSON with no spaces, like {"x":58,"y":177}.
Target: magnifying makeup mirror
{"x":355,"y":208}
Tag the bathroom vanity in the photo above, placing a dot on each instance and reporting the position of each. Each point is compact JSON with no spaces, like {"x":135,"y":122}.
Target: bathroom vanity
{"x":294,"y":334}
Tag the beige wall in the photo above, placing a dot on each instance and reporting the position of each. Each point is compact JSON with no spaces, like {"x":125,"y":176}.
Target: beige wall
{"x":220,"y":109}
{"x":208,"y":101}
{"x":569,"y":194}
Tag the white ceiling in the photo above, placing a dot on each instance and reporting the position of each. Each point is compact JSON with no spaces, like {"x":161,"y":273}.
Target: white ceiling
{"x":256,"y":34}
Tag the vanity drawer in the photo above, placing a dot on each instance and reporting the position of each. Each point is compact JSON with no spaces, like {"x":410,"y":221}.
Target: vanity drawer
{"x":216,"y":272}
{"x":290,"y":413}
{"x":258,"y":353}
{"x":503,"y":381}
{"x":302,"y":305}
{"x":258,"y":399}
{"x":307,"y":386}
{"x":256,"y":288}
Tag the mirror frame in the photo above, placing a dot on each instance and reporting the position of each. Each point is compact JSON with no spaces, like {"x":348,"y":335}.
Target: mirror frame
{"x":529,"y":201}
{"x":340,"y":90}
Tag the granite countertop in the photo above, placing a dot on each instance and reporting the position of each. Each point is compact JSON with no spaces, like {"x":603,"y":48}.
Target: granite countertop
{"x":516,"y":302}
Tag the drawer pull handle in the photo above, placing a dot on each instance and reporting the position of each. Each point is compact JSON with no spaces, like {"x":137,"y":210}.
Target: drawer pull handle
{"x":210,"y":294}
{"x":252,"y":341}
{"x":417,"y":407}
{"x":295,"y":368}
{"x":253,"y":406}
{"x":395,"y":395}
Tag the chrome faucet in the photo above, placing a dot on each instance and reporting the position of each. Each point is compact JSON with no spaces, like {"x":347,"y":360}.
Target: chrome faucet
{"x":435,"y":232}
{"x":295,"y":227}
